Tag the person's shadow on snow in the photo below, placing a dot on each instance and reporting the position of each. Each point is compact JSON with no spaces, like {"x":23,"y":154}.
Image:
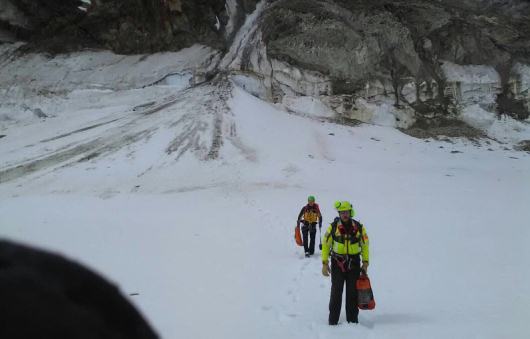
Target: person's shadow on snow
{"x":391,"y":319}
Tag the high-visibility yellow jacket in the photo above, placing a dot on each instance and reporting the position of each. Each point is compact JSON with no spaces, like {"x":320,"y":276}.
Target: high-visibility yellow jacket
{"x":351,"y":244}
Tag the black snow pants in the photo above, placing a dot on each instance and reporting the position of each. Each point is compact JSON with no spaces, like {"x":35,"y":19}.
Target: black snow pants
{"x":311,"y":230}
{"x":338,"y":279}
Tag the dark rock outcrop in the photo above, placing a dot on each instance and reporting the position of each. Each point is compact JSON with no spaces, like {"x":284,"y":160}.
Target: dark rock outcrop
{"x":124,"y":26}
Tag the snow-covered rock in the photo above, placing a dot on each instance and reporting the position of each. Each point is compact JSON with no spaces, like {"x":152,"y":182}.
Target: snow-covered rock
{"x":472,"y":84}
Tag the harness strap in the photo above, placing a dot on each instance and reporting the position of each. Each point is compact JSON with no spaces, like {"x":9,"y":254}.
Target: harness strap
{"x":357,"y":225}
{"x":344,"y":261}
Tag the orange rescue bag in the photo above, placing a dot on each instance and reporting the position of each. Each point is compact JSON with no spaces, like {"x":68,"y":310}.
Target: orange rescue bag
{"x":298,"y":236}
{"x":365,"y":295}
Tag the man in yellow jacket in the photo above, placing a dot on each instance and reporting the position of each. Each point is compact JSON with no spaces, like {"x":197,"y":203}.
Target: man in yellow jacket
{"x":345,"y":242}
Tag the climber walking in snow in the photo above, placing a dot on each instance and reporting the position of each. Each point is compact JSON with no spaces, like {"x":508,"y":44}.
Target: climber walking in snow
{"x":309,"y":216}
{"x":346,"y":242}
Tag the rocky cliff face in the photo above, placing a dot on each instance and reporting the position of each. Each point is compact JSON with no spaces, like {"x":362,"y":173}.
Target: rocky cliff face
{"x":124,"y":26}
{"x":417,"y":58}
{"x":398,"y":49}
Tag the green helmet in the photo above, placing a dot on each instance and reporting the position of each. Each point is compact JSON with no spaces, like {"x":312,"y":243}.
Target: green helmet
{"x":311,"y":198}
{"x":341,"y":206}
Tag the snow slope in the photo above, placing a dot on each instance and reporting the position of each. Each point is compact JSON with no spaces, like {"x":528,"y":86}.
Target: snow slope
{"x":188,"y":197}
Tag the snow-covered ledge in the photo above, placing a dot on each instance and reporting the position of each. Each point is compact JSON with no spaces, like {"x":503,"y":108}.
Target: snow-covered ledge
{"x":98,"y":69}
